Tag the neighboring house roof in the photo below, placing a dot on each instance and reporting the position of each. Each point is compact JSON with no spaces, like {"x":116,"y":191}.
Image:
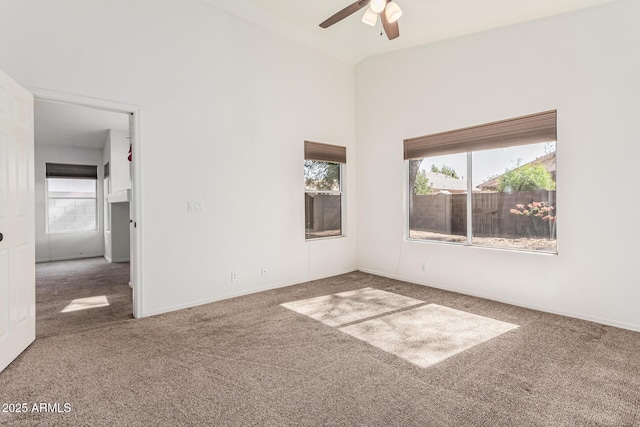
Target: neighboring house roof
{"x":548,"y":161}
{"x":442,"y":183}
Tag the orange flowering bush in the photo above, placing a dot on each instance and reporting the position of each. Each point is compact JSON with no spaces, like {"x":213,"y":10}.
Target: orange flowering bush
{"x":538,"y":219}
{"x":535,"y":209}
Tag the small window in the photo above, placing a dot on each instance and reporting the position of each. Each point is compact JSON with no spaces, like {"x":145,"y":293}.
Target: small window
{"x":508,"y":168}
{"x":323,"y":190}
{"x":71,"y":198}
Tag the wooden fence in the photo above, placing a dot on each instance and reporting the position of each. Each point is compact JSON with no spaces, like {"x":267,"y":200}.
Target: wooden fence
{"x":492,"y":217}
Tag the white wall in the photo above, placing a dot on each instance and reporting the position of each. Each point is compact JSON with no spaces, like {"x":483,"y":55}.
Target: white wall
{"x":60,"y":246}
{"x":586,"y":65}
{"x":225,"y":108}
{"x":118,"y":162}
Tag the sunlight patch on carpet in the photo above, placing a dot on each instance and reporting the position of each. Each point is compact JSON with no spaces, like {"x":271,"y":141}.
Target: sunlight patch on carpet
{"x":422,"y":334}
{"x":429,"y":334}
{"x":346,"y":307}
{"x":86,"y":303}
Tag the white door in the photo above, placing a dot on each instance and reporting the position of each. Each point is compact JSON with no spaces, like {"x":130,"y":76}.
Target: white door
{"x":133,"y":225}
{"x":17,"y":223}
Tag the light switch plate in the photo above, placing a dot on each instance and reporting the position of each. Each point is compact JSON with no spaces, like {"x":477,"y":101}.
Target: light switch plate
{"x":194,"y":206}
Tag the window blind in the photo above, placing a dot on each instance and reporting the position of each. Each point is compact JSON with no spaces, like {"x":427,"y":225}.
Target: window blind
{"x":59,"y":170}
{"x":324,"y":152}
{"x":530,"y":129}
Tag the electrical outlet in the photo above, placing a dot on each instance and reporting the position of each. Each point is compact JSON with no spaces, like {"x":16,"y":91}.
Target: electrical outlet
{"x":423,"y":266}
{"x":263,"y":271}
{"x":234,"y":277}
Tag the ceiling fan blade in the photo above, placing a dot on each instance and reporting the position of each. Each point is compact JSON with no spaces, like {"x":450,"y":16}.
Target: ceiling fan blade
{"x":392,"y":29}
{"x":352,"y":8}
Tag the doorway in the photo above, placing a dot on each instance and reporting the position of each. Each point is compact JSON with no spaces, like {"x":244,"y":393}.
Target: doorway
{"x":101,"y":239}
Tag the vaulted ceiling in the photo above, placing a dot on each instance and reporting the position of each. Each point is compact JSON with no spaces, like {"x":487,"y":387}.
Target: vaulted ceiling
{"x":423,"y":21}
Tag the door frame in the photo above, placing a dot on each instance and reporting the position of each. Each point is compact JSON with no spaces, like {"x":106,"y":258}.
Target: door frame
{"x":137,"y":257}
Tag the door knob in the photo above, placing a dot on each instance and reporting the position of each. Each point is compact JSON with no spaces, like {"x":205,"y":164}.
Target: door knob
{"x":1,"y":237}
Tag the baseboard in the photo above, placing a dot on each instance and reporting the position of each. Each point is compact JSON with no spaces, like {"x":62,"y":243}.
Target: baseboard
{"x":68,"y":258}
{"x":581,"y":316}
{"x":244,"y":292}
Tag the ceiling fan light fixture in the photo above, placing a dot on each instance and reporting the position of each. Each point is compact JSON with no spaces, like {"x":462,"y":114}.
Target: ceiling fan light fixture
{"x":393,"y":12}
{"x":378,"y":5}
{"x":370,"y":17}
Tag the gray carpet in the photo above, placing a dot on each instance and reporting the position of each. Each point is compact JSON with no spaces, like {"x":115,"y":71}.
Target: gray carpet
{"x":60,"y":283}
{"x":249,"y":361}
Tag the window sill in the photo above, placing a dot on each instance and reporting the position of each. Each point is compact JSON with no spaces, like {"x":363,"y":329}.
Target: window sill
{"x":495,"y":248}
{"x":315,"y":239}
{"x":71,"y":232}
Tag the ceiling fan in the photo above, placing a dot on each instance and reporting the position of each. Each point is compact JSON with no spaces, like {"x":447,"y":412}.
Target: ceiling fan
{"x":388,"y":10}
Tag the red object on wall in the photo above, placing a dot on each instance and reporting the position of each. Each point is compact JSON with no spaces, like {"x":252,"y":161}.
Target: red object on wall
{"x":129,"y":157}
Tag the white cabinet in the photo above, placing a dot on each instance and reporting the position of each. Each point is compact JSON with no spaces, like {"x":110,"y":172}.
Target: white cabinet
{"x":117,"y":197}
{"x":119,"y":232}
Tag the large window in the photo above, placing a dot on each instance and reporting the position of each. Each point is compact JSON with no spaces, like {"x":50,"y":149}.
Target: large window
{"x":508,"y":168}
{"x":71,"y":198}
{"x":323,"y":189}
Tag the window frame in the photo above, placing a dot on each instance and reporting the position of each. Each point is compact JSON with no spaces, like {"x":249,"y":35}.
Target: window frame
{"x":469,"y":192}
{"x":320,"y":152}
{"x":69,"y":171}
